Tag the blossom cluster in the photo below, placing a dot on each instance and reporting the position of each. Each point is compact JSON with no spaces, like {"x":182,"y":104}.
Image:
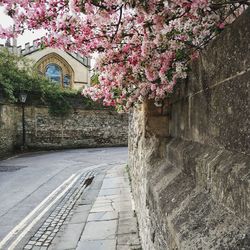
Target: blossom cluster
{"x":144,"y":46}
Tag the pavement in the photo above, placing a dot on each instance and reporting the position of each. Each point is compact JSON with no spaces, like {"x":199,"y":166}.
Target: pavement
{"x":108,"y":223}
{"x":83,"y":208}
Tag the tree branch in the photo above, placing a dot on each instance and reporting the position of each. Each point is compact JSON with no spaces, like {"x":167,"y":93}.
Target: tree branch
{"x":118,"y":24}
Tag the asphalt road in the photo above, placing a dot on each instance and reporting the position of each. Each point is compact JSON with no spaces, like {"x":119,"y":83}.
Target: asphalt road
{"x":30,"y":180}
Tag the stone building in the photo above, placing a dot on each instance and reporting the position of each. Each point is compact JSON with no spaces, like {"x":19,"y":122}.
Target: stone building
{"x":70,"y":70}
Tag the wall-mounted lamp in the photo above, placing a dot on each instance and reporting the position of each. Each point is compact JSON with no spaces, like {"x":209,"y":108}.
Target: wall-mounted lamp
{"x":22,"y":97}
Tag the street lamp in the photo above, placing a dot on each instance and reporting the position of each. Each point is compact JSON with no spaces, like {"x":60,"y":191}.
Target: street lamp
{"x":22,"y":99}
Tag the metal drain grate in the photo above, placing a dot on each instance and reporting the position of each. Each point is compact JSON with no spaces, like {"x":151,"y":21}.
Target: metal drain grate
{"x":11,"y":168}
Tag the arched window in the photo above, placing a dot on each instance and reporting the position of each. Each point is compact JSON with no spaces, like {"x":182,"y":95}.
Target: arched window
{"x":66,"y":81}
{"x":54,"y":73}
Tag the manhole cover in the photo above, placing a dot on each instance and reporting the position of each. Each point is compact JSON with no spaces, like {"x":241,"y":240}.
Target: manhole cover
{"x":11,"y":168}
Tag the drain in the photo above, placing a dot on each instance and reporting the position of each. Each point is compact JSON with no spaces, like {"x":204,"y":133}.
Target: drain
{"x":88,"y":181}
{"x":11,"y":168}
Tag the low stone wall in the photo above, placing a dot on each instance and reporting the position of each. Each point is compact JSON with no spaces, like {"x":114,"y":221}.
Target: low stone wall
{"x":83,"y":128}
{"x":189,"y":160}
{"x":8,"y":129}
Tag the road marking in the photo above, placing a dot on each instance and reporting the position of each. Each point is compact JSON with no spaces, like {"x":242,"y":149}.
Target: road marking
{"x":24,"y":222}
{"x":38,"y":217}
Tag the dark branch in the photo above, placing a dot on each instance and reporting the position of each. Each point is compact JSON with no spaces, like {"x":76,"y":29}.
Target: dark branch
{"x":118,"y":24}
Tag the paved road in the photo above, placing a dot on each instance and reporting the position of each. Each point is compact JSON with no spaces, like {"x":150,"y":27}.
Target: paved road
{"x":32,"y":186}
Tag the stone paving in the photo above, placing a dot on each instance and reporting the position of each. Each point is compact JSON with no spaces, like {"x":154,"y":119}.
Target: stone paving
{"x":100,"y":217}
{"x":112,"y":223}
{"x":44,"y":236}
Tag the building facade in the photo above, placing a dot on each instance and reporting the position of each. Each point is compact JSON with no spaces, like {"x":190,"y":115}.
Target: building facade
{"x":69,"y":70}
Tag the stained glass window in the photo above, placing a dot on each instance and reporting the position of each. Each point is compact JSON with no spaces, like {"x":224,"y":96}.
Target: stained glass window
{"x":66,"y":81}
{"x":54,"y":73}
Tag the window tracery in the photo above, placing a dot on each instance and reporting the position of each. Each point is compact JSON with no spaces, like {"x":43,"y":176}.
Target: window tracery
{"x":54,"y":73}
{"x":57,"y":69}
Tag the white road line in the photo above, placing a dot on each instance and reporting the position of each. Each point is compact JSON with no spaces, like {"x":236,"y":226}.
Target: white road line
{"x":38,"y":217}
{"x":24,"y":222}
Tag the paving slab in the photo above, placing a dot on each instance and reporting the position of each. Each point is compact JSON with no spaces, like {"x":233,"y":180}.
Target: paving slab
{"x":71,"y":236}
{"x":78,"y":218}
{"x":126,"y":214}
{"x":103,"y":216}
{"x":129,"y":220}
{"x":102,"y":201}
{"x":113,"y":191}
{"x":128,"y":239}
{"x":83,"y":208}
{"x":113,"y":183}
{"x":111,"y":223}
{"x":127,"y":228}
{"x":100,"y":230}
{"x":129,"y":247}
{"x":97,"y":245}
{"x":122,"y":205}
{"x":104,"y":207}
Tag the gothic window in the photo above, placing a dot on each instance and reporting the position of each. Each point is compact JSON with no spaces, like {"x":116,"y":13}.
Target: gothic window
{"x":55,"y":68}
{"x":54,"y":73}
{"x":66,"y":81}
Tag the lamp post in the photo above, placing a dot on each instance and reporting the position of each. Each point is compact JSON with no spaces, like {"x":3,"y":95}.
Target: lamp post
{"x":22,"y":99}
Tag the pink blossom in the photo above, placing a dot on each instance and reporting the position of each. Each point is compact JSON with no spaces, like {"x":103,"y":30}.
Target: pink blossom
{"x":221,"y":25}
{"x":143,"y":46}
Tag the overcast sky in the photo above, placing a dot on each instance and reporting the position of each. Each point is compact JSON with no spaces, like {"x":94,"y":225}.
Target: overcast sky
{"x":28,"y":36}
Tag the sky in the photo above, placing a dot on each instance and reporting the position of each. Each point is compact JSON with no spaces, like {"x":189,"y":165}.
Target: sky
{"x":28,"y":36}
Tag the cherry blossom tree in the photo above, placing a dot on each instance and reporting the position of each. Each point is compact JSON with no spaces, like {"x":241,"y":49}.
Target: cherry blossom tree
{"x":144,"y":46}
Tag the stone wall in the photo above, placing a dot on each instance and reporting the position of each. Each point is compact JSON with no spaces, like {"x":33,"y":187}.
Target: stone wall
{"x":8,"y":129}
{"x":189,"y":160}
{"x":83,"y":128}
